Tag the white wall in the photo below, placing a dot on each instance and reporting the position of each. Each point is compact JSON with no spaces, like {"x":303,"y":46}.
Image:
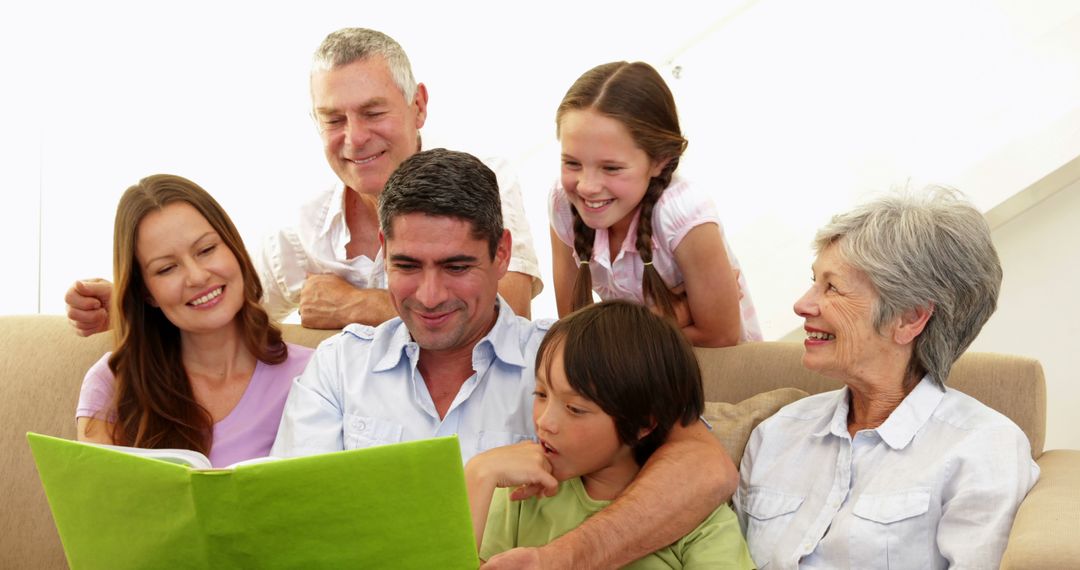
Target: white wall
{"x":1037,"y":312}
{"x":794,"y":110}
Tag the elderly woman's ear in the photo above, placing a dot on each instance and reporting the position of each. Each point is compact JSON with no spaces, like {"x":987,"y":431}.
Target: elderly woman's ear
{"x":912,"y":323}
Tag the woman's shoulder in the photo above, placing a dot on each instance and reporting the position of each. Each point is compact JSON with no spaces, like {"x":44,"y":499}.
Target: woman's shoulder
{"x":100,"y":370}
{"x":298,"y":357}
{"x":969,"y":414}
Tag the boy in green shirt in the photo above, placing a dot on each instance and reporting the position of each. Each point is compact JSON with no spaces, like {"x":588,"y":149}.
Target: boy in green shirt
{"x":611,"y":381}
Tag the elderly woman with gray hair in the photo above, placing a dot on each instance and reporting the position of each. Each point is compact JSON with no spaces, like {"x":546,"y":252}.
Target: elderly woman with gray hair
{"x":895,"y":470}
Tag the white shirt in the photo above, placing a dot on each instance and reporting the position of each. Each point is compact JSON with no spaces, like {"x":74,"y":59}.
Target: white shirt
{"x":680,"y":209}
{"x":316,"y":245}
{"x":935,"y":486}
{"x":362,"y":388}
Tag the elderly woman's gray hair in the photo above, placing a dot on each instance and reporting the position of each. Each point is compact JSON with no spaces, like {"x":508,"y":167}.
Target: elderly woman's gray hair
{"x":927,"y":249}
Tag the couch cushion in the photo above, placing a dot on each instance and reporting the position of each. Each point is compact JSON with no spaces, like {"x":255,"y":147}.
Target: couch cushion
{"x":1046,"y":527}
{"x":732,"y":423}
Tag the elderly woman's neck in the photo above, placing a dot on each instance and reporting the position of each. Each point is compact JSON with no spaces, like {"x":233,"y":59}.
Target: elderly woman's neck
{"x":871,"y":404}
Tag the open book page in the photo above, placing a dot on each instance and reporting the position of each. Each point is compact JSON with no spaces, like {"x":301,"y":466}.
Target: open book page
{"x":188,"y":457}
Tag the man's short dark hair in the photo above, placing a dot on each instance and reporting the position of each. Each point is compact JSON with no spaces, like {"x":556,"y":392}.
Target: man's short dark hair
{"x":440,"y":182}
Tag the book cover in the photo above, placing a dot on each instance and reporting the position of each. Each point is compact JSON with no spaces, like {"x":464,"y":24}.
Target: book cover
{"x":392,"y":506}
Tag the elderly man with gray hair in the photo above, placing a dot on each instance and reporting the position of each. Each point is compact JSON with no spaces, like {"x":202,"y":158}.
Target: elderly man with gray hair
{"x":368,"y":109}
{"x":895,"y":470}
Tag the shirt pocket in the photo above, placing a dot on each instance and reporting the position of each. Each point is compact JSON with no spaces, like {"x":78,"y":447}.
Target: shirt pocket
{"x":366,"y":431}
{"x":491,"y":439}
{"x":770,"y":513}
{"x":892,"y":530}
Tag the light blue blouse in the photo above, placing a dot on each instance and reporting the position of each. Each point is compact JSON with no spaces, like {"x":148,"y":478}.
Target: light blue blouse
{"x":935,"y":486}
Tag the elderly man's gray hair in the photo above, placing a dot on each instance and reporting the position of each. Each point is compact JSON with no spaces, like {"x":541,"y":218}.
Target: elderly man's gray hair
{"x":928,"y":249}
{"x":347,"y":45}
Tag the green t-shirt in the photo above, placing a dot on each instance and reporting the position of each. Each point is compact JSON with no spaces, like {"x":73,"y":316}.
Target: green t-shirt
{"x":716,"y":543}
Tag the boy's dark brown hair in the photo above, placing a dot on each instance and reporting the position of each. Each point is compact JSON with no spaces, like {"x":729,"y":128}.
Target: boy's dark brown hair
{"x":635,"y":365}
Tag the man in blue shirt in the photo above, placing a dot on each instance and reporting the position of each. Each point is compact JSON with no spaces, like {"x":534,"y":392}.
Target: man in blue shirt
{"x":457,"y":360}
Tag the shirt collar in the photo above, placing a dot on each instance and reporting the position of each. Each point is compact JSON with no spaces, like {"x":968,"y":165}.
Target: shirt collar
{"x":902,"y":424}
{"x":502,"y":340}
{"x":910,"y":416}
{"x":333,"y":209}
{"x":838,"y":422}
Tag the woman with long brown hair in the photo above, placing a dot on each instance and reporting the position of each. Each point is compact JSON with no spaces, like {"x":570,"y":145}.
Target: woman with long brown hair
{"x":198,"y":364}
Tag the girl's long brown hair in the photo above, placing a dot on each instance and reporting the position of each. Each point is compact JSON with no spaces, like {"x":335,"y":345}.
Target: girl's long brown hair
{"x":635,"y":95}
{"x":154,"y":401}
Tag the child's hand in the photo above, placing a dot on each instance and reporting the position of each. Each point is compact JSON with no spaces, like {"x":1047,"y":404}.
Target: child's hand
{"x":520,"y":465}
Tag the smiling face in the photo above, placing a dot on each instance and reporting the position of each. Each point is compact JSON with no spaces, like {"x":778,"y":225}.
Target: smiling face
{"x":841,"y":340}
{"x":579,"y":439}
{"x":604,"y":172}
{"x":367,"y":126}
{"x":189,"y":272}
{"x":442,"y":279}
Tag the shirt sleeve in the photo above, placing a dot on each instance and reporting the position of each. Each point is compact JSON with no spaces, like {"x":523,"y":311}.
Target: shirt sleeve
{"x":522,"y":254}
{"x":281,"y":265}
{"x":501,"y":531}
{"x":96,"y":394}
{"x":313,"y":421}
{"x":560,"y":216}
{"x":716,"y":543}
{"x":680,"y":210}
{"x":980,"y":501}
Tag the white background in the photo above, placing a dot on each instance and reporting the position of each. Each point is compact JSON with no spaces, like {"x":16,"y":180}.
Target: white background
{"x":794,"y":111}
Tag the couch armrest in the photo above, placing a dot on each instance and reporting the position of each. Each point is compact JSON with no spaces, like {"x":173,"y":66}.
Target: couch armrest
{"x":1046,"y":532}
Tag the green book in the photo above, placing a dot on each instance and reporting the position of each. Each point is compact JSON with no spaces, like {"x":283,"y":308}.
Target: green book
{"x":393,"y":506}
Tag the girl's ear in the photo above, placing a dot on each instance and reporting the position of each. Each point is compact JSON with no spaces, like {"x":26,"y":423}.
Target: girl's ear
{"x":658,"y":166}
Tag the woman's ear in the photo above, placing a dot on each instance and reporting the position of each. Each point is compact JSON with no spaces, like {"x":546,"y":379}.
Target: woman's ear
{"x":912,"y":322}
{"x":150,"y":301}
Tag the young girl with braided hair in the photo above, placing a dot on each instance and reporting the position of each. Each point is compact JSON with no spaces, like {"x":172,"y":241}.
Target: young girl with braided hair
{"x":625,"y":226}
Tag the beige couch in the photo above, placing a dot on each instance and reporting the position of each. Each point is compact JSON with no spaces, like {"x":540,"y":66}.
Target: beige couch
{"x":42,"y":363}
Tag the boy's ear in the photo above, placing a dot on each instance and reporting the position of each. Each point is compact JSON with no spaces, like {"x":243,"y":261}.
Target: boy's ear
{"x":646,"y":430}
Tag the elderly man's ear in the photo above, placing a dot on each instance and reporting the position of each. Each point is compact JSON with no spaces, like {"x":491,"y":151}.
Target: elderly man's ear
{"x":912,"y":322}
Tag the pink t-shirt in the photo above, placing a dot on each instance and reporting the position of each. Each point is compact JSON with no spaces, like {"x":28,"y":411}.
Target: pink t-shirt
{"x":249,"y":429}
{"x":679,"y":210}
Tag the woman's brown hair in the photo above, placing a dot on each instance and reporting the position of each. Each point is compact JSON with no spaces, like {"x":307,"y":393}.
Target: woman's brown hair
{"x":635,"y":95}
{"x":638,"y":367}
{"x":154,"y":401}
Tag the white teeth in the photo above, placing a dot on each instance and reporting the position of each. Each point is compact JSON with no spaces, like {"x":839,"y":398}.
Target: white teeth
{"x":364,"y":160}
{"x":207,"y":297}
{"x":820,"y":335}
{"x":599,"y":204}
